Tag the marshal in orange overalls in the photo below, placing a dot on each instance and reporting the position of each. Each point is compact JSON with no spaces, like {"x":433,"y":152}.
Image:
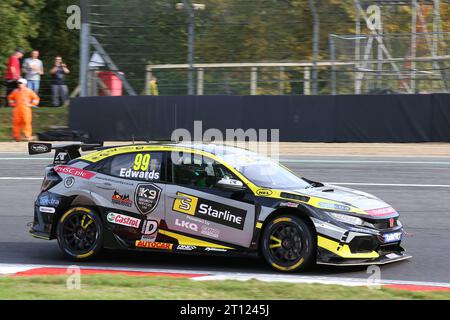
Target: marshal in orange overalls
{"x":22,"y":99}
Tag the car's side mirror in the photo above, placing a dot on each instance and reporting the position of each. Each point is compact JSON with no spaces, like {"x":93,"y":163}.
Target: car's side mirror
{"x":230,"y":184}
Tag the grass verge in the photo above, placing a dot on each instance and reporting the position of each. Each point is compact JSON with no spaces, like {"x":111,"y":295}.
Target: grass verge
{"x":43,"y":119}
{"x":104,"y":287}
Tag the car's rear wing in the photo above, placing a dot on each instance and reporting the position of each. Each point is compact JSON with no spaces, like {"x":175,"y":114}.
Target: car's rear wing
{"x":63,"y":152}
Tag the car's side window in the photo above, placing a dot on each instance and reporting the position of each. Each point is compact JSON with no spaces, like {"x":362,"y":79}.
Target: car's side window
{"x":102,"y":166}
{"x":199,"y":171}
{"x":146,"y":166}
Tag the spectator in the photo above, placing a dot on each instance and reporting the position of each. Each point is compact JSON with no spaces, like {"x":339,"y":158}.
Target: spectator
{"x":12,"y":73}
{"x":33,"y":69}
{"x":154,"y":87}
{"x":22,"y":100}
{"x":60,"y":92}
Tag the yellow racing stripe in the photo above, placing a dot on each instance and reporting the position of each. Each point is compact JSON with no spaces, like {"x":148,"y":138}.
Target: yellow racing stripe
{"x":185,"y":240}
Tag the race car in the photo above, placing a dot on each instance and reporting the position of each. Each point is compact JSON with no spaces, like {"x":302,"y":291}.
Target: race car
{"x":207,"y":198}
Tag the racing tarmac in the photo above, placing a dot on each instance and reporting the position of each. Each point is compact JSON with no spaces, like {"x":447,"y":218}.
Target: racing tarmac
{"x":419,"y":188}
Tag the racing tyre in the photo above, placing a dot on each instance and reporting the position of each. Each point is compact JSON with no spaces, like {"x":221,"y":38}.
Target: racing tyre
{"x":80,"y":234}
{"x":289,"y":244}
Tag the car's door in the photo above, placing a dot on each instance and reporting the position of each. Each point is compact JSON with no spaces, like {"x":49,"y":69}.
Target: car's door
{"x":132,"y":183}
{"x":196,"y":205}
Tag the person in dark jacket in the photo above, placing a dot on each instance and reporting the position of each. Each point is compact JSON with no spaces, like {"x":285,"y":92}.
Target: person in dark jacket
{"x":60,"y":91}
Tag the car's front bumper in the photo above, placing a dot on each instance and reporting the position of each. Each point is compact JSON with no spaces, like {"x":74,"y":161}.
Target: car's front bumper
{"x":358,"y":246}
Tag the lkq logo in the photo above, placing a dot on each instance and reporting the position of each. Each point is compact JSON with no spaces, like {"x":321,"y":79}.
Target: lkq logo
{"x":186,"y":225}
{"x":146,"y":197}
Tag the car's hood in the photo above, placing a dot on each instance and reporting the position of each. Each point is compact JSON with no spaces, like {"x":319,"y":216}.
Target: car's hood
{"x":354,"y":198}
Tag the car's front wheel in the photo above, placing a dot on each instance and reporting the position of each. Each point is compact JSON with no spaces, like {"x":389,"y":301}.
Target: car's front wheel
{"x":288,"y":243}
{"x":80,"y":234}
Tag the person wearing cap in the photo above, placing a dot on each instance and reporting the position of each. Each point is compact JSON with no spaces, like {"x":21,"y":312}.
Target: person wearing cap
{"x":22,"y":100}
{"x":12,"y":73}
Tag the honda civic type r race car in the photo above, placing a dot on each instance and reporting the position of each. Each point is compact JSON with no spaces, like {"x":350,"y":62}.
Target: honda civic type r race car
{"x":206,"y":198}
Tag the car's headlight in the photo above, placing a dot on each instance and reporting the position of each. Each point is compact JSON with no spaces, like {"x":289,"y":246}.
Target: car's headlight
{"x":346,"y":218}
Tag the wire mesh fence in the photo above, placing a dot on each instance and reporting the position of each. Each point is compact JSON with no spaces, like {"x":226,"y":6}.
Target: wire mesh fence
{"x":363,"y":46}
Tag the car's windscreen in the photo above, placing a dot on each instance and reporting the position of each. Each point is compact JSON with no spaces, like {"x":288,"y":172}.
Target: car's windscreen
{"x":265,"y":173}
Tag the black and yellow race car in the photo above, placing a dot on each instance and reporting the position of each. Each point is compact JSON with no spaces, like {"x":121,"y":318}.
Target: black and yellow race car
{"x":207,"y":198}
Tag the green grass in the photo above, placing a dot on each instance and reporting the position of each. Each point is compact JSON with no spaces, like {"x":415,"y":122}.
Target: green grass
{"x":43,"y":119}
{"x":105,"y":287}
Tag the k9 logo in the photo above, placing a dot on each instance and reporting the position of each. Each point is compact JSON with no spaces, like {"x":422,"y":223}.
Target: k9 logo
{"x":148,"y":193}
{"x":146,"y":197}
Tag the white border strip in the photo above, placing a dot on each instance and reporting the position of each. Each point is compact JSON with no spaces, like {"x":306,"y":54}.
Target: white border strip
{"x":8,"y":269}
{"x":367,"y":184}
{"x":21,"y":178}
{"x":390,"y":184}
{"x":445,"y":163}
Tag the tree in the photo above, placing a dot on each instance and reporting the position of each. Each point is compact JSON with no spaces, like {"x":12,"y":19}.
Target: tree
{"x":19,"y":23}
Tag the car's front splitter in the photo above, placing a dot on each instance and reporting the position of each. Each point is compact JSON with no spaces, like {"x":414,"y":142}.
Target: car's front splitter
{"x":328,"y":258}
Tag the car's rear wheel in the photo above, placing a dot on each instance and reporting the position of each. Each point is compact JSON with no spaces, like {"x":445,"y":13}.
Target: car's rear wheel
{"x":80,"y":234}
{"x":288,"y":243}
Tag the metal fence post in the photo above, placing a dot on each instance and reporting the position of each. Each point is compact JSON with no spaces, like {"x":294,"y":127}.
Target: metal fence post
{"x":84,"y":48}
{"x":333,"y":67}
{"x":281,"y":81}
{"x":200,"y":73}
{"x":413,"y":45}
{"x":357,"y":50}
{"x":253,"y":81}
{"x":316,"y":39}
{"x":307,"y":81}
{"x":148,"y":77}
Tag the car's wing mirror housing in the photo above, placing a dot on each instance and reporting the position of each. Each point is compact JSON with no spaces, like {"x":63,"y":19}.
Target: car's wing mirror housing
{"x":230,"y":184}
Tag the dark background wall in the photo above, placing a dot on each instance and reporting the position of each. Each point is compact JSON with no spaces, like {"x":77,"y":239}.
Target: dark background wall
{"x":342,"y":118}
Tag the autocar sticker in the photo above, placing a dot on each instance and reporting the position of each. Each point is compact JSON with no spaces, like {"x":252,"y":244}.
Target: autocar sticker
{"x":153,"y":245}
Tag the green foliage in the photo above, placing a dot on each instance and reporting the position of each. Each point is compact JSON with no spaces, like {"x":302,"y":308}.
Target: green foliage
{"x":19,"y":22}
{"x":107,"y":287}
{"x":136,"y":33}
{"x":41,"y":25}
{"x":43,"y":120}
{"x":54,"y":38}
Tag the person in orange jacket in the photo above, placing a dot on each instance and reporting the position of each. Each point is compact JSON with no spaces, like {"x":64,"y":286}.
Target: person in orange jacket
{"x":22,"y":100}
